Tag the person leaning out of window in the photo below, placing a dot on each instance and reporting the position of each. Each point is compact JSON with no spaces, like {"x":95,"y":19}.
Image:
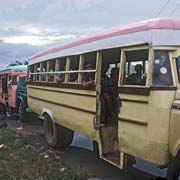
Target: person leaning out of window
{"x":88,"y":77}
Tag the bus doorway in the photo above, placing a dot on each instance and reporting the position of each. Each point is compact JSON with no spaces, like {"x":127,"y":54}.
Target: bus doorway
{"x":4,"y":96}
{"x":110,"y":105}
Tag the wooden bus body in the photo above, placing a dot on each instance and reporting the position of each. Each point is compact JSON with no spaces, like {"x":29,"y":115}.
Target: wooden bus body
{"x":147,"y":124}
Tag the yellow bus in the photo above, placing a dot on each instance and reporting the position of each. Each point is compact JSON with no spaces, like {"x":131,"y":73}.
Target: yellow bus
{"x":120,"y":87}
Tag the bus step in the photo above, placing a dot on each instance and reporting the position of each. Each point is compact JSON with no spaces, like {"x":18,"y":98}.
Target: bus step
{"x":113,"y":157}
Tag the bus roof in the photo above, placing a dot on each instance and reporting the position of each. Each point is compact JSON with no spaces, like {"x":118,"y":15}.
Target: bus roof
{"x":15,"y":68}
{"x":163,"y":31}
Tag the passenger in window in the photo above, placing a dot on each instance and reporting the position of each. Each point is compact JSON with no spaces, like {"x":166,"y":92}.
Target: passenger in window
{"x":88,"y":77}
{"x":110,"y":102}
{"x":51,"y":75}
{"x":136,"y":78}
{"x":161,"y":76}
{"x":44,"y":74}
{"x":30,"y":76}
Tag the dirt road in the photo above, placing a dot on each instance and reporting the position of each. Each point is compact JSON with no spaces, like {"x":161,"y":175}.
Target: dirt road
{"x":77,"y":157}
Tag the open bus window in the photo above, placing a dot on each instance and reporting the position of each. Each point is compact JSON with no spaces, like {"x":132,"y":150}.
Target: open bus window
{"x":43,"y":69}
{"x":37,"y":70}
{"x":14,"y":80}
{"x":89,"y":64}
{"x":4,"y":85}
{"x":9,"y":80}
{"x":162,"y":75}
{"x":74,"y":66}
{"x":111,"y":60}
{"x":30,"y":70}
{"x":51,"y":70}
{"x":136,"y":67}
{"x":61,"y":67}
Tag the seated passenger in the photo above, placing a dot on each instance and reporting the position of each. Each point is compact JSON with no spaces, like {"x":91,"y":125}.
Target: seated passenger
{"x":30,"y":76}
{"x":88,"y":77}
{"x":137,"y":77}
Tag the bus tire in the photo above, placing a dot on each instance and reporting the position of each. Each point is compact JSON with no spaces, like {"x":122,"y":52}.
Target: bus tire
{"x":21,"y":112}
{"x":56,"y":135}
{"x":173,"y":171}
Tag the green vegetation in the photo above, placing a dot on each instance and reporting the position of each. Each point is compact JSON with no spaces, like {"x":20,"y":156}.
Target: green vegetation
{"x":22,"y":160}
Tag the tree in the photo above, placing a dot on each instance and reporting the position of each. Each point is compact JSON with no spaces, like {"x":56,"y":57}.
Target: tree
{"x":17,"y":63}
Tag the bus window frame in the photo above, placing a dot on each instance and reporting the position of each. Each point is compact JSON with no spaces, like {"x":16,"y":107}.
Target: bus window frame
{"x":178,"y":69}
{"x":67,"y":71}
{"x":170,"y":64}
{"x":123,"y":62}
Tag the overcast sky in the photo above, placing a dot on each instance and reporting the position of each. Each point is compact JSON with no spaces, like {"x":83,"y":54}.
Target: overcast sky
{"x":28,"y":26}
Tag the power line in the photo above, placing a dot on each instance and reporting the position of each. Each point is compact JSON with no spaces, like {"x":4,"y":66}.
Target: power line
{"x":174,"y":10}
{"x":167,"y":2}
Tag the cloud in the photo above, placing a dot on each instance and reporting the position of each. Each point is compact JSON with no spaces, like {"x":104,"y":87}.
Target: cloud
{"x":41,"y":35}
{"x":16,"y":52}
{"x":28,"y":26}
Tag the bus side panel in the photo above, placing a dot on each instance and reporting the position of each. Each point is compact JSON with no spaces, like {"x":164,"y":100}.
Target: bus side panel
{"x":148,"y":136}
{"x":70,"y":109}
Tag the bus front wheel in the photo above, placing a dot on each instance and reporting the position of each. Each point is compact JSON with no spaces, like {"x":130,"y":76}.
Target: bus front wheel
{"x":173,"y":171}
{"x":56,"y":135}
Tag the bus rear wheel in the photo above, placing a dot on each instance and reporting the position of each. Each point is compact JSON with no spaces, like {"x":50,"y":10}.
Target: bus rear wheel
{"x":173,"y":171}
{"x":56,"y":135}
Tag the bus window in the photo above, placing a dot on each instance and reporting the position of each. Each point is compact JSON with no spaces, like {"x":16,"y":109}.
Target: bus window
{"x":37,"y":70}
{"x":30,"y":70}
{"x":51,"y":69}
{"x":43,"y":69}
{"x":136,"y":67}
{"x":162,"y":75}
{"x":9,"y":80}
{"x":89,"y":64}
{"x":14,"y":80}
{"x":4,"y":85}
{"x":74,"y":66}
{"x":61,"y":67}
{"x":111,"y":59}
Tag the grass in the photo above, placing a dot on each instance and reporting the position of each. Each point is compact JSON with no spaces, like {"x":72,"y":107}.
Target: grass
{"x":20,"y":160}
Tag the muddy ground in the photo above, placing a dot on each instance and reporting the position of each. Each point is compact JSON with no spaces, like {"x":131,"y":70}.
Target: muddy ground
{"x":78,"y":157}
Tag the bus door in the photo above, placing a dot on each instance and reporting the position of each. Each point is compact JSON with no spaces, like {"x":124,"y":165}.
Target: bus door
{"x":4,"y":87}
{"x":12,"y":87}
{"x":109,"y":99}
